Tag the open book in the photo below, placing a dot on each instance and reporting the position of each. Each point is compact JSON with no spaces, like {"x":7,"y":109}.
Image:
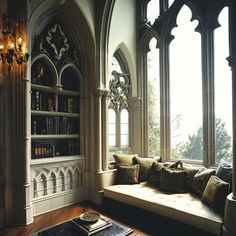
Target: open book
{"x":90,"y":229}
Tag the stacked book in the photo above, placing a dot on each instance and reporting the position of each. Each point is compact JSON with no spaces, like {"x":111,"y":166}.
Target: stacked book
{"x":89,"y":229}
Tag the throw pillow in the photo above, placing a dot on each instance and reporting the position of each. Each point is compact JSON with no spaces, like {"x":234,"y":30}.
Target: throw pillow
{"x":215,"y":193}
{"x":124,"y":159}
{"x":200,"y":180}
{"x":127,"y":174}
{"x":154,"y":175}
{"x":191,"y":171}
{"x":145,"y":166}
{"x":224,"y":171}
{"x":173,"y":180}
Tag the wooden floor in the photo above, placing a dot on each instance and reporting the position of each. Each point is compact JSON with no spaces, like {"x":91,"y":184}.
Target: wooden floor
{"x":142,"y":222}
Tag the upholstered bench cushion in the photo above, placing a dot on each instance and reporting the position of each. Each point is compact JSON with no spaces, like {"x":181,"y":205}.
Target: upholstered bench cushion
{"x":185,"y":207}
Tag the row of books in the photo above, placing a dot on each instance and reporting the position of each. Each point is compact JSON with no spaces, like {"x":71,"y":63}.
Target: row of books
{"x":68,"y":104}
{"x":41,"y":149}
{"x":55,"y":125}
{"x":42,"y":101}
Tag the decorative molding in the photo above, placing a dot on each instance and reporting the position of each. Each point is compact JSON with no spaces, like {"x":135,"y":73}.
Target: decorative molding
{"x":50,"y":179}
{"x":57,"y":39}
{"x":55,"y":44}
{"x":99,"y":93}
{"x":119,"y":90}
{"x":136,"y":101}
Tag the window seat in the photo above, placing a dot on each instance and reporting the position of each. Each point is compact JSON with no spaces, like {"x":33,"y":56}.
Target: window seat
{"x":185,"y":207}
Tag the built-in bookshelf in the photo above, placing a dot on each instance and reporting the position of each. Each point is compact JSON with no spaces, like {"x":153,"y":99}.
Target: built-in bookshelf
{"x":55,"y":119}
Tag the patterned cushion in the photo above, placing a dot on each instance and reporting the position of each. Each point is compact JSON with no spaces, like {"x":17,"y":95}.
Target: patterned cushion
{"x":191,"y":171}
{"x":215,"y":193}
{"x":127,"y":174}
{"x":154,"y":175}
{"x":124,"y":159}
{"x":200,"y":180}
{"x":224,"y":171}
{"x":145,"y":166}
{"x":173,"y":180}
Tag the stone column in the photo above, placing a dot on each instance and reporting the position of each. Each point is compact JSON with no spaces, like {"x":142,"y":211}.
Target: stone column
{"x":105,"y":101}
{"x":98,"y":129}
{"x":136,"y":132}
{"x":229,"y":228}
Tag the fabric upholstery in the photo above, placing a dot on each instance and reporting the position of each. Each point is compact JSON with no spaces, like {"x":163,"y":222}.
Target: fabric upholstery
{"x":124,"y":159}
{"x":145,"y":166}
{"x":127,"y":174}
{"x":191,"y":171}
{"x":184,"y":207}
{"x":224,"y":171}
{"x":154,"y":175}
{"x":215,"y":193}
{"x":173,"y":180}
{"x":200,"y":180}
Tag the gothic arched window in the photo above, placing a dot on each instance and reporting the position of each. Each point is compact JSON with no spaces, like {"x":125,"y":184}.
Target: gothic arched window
{"x":118,"y":112}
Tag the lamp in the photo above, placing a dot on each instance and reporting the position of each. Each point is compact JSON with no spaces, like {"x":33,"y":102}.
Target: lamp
{"x":11,"y":43}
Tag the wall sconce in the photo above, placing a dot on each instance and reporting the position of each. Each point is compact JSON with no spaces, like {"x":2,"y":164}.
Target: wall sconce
{"x":11,"y":43}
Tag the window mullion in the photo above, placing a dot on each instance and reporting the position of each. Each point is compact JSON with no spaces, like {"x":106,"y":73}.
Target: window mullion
{"x":118,"y":141}
{"x":208,"y":97}
{"x":164,"y":101}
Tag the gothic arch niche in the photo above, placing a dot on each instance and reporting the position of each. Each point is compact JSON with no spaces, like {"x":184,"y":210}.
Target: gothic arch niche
{"x":42,"y":185}
{"x":69,"y":180}
{"x":42,"y":68}
{"x":77,"y":179}
{"x":74,"y":25}
{"x":81,"y":43}
{"x":71,"y":78}
{"x":35,"y":188}
{"x":52,"y":183}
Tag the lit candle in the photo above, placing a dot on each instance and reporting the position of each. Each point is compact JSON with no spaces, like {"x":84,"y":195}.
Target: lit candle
{"x":12,"y":45}
{"x":20,"y":40}
{"x":1,"y":47}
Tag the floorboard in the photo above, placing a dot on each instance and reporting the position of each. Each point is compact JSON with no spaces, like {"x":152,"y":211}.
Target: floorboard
{"x":143,"y":223}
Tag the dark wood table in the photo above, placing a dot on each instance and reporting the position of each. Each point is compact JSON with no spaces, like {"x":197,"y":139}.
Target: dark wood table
{"x":69,"y":228}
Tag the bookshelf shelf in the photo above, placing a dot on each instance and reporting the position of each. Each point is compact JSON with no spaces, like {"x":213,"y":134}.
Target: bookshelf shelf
{"x":55,"y":159}
{"x":67,"y":92}
{"x":56,"y":90}
{"x":54,"y":136}
{"x":52,"y":113}
{"x":43,"y":88}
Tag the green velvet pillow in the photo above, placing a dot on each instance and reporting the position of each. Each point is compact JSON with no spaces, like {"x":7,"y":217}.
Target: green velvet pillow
{"x":200,"y":180}
{"x":173,"y":180}
{"x":215,"y":193}
{"x":127,"y":174}
{"x":124,"y":159}
{"x":145,"y":166}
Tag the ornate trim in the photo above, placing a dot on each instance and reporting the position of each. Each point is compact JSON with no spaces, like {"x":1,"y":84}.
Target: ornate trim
{"x":57,"y":40}
{"x":54,"y":43}
{"x":119,"y":90}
